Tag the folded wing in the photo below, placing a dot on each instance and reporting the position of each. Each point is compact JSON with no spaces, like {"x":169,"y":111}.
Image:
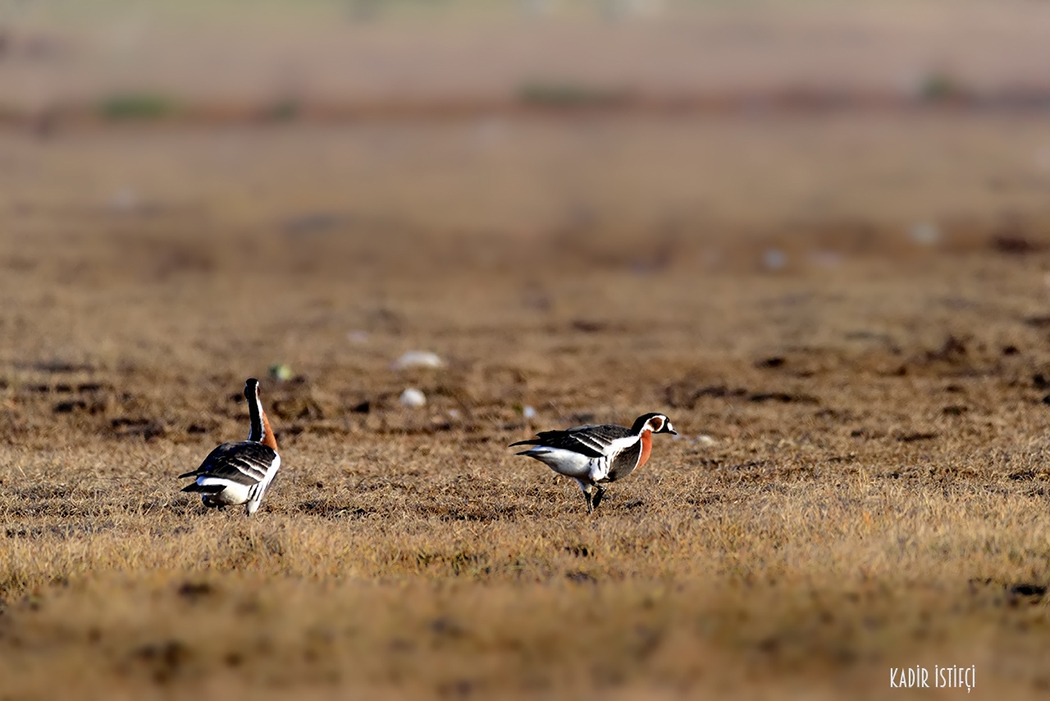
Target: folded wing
{"x":246,"y":463}
{"x":592,"y":441}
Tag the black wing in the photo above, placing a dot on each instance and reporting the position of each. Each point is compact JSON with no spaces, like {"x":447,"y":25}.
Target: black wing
{"x":589,"y":440}
{"x":246,"y":462}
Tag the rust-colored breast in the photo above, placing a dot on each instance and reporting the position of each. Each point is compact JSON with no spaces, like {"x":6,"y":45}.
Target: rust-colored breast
{"x":268,"y":437}
{"x":647,"y":446}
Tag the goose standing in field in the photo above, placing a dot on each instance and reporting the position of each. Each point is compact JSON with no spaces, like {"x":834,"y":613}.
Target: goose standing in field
{"x":239,"y":472}
{"x":597,"y":455}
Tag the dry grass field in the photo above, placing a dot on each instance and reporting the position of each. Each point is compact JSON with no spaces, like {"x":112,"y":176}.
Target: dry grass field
{"x":860,"y":482}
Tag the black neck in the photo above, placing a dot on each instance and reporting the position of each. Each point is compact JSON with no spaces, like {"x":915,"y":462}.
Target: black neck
{"x":254,"y":413}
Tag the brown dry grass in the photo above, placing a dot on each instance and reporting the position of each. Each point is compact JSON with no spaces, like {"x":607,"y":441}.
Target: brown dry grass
{"x":874,"y":494}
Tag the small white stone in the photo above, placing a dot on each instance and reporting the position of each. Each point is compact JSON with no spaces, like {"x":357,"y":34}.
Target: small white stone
{"x":413,"y":398}
{"x":418,"y":359}
{"x":925,"y":233}
{"x":704,"y":439}
{"x":774,"y":259}
{"x":528,"y":412}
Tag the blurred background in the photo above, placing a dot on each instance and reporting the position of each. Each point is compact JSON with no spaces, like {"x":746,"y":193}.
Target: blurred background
{"x":751,"y":134}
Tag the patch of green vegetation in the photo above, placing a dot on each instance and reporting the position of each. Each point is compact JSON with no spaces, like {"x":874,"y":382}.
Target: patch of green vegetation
{"x":136,"y":106}
{"x":284,"y":110}
{"x":569,"y":94}
{"x":941,"y":86}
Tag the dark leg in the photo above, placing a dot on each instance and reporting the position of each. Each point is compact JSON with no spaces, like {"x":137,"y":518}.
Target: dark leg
{"x":588,"y":494}
{"x":599,"y":493}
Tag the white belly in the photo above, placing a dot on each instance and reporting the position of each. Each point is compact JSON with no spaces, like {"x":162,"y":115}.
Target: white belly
{"x":566,"y":462}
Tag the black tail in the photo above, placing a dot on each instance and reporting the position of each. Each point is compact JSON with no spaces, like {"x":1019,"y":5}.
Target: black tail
{"x":204,"y":488}
{"x":532,"y":442}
